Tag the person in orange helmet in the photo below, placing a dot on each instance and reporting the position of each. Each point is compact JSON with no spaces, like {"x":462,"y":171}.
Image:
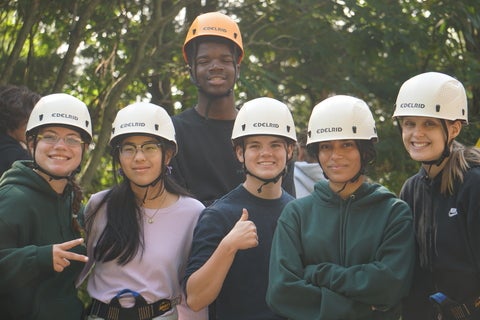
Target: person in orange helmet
{"x":206,"y":164}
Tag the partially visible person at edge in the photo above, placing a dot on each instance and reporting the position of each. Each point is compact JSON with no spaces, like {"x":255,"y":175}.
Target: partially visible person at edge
{"x":307,"y":170}
{"x":140,"y":231}
{"x":231,"y":244}
{"x":41,"y":249}
{"x":347,"y":250}
{"x":444,"y":195}
{"x":206,"y":164}
{"x":16,"y":104}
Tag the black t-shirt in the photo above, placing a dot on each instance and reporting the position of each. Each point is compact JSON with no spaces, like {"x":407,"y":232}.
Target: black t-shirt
{"x":206,"y":163}
{"x":243,"y":291}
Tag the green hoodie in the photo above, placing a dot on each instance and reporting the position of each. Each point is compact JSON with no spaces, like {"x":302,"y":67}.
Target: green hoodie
{"x":33,"y":217}
{"x":336,"y":259}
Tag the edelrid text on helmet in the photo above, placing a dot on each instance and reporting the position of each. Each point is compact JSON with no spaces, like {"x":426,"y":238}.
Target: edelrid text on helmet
{"x":132,"y":124}
{"x":412,"y":105}
{"x":432,"y":94}
{"x":341,"y":117}
{"x":264,"y":116}
{"x":266,"y":125}
{"x":214,"y":24}
{"x":61,"y":109}
{"x":143,"y":118}
{"x":326,"y":130}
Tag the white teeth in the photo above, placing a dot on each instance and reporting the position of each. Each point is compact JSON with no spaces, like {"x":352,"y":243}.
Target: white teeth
{"x":59,"y":158}
{"x":418,"y":144}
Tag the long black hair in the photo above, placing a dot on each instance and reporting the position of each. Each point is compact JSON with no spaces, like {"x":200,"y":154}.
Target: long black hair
{"x":122,"y":237}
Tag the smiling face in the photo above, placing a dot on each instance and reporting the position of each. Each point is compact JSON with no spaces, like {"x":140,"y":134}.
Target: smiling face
{"x":424,"y":138}
{"x":215,"y":69}
{"x":58,"y":158}
{"x":144,"y":164}
{"x":264,"y":156}
{"x":340,"y":160}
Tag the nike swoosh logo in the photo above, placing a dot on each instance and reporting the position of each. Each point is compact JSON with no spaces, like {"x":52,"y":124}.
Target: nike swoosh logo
{"x":452,"y":212}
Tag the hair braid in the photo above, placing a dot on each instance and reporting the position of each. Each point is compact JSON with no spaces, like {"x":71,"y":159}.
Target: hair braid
{"x":76,"y":205}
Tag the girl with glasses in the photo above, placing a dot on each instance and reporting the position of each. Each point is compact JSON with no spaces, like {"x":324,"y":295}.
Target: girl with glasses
{"x":139,"y":232}
{"x":41,"y":252}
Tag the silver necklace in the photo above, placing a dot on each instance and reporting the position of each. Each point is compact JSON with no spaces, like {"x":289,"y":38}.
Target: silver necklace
{"x":150,"y":219}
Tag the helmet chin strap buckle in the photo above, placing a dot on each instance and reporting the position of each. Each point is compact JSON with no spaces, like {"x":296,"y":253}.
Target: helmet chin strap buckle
{"x":267,"y":181}
{"x":52,"y":176}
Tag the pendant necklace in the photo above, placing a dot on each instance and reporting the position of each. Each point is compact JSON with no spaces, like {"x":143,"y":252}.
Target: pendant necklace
{"x":150,"y":219}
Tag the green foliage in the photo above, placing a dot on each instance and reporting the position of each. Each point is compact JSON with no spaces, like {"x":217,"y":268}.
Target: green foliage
{"x":297,"y":51}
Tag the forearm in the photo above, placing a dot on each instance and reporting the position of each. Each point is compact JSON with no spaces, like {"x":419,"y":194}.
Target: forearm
{"x":204,"y":285}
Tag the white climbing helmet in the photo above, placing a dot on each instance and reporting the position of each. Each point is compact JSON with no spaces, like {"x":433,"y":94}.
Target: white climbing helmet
{"x":60,"y":109}
{"x":434,"y":95}
{"x":341,"y":117}
{"x":264,"y":116}
{"x":144,"y":118}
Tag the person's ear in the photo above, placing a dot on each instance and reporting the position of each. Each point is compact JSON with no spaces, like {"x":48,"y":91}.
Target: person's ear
{"x":239,"y":153}
{"x":238,"y":71}
{"x":190,"y":72}
{"x":290,"y":150}
{"x":455,"y":128}
{"x":168,"y":155}
{"x":30,"y":144}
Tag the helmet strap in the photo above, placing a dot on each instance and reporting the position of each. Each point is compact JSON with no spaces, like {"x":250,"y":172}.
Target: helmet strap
{"x":343,"y":188}
{"x":355,"y":177}
{"x":265,"y":181}
{"x":193,"y":76}
{"x":51,"y":176}
{"x":162,"y":174}
{"x":446,"y":149}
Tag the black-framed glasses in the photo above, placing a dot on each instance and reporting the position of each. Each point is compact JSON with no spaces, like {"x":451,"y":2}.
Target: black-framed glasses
{"x":53,"y":139}
{"x":129,"y":150}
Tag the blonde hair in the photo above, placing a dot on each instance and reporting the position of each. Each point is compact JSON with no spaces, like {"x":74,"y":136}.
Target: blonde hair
{"x":461,"y":159}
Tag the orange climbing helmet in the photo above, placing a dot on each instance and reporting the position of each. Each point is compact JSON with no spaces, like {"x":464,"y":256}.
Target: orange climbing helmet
{"x":214,"y":24}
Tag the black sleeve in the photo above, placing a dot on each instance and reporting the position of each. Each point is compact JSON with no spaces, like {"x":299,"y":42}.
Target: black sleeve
{"x":287,"y":182}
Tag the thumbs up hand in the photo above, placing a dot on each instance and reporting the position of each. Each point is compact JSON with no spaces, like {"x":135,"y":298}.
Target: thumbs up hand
{"x":244,"y":234}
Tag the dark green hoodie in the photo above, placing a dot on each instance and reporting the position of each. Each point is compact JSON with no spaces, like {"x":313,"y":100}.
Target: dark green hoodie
{"x":338,"y":259}
{"x":33,"y":217}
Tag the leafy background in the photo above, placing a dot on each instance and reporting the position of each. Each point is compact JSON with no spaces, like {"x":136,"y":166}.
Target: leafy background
{"x":113,"y":53}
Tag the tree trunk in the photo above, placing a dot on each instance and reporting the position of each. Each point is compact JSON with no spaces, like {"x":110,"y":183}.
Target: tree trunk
{"x":30,"y":17}
{"x":110,"y":102}
{"x":76,"y":36}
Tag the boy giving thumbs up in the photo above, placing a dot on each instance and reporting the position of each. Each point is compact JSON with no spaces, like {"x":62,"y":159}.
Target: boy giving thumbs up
{"x":228,"y":266}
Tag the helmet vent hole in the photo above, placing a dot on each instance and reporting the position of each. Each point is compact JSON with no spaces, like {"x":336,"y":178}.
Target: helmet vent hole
{"x":354,"y":129}
{"x":156,"y":127}
{"x":194,"y":31}
{"x":87,"y":124}
{"x":437,"y":108}
{"x":243,"y":127}
{"x":40,"y":117}
{"x":235,"y":35}
{"x":288,"y":128}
